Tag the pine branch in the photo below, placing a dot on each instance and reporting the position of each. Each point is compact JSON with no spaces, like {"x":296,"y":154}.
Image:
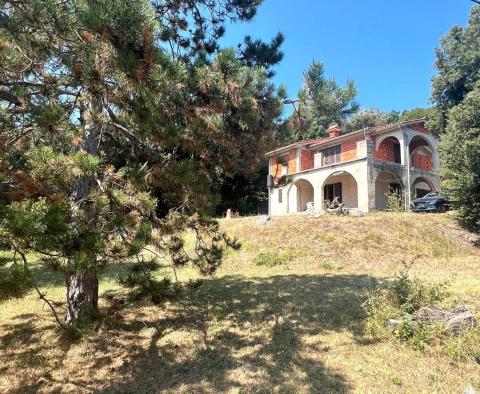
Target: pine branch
{"x":41,"y":295}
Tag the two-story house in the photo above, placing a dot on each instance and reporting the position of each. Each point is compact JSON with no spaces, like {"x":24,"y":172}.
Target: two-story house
{"x":359,"y":168}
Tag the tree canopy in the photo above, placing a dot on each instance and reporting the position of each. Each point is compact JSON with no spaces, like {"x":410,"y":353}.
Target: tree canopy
{"x":320,"y":103}
{"x":368,"y":118}
{"x":115,"y":116}
{"x":456,"y":93}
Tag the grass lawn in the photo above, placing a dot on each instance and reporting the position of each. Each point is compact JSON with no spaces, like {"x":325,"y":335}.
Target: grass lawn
{"x":294,"y":323}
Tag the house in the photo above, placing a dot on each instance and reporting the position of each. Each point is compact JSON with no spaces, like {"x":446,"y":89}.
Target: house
{"x":359,"y":168}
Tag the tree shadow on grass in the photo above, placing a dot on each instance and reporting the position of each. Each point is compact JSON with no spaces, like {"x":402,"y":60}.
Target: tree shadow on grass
{"x":232,"y":333}
{"x":254,"y":333}
{"x":46,"y":276}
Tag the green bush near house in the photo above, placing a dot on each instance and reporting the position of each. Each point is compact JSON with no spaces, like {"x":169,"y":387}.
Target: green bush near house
{"x":395,"y":201}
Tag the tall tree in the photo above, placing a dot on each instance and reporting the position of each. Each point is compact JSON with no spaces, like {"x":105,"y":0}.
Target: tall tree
{"x":321,"y":102}
{"x":460,"y":152}
{"x":456,"y":93}
{"x":458,"y":65}
{"x":114,"y":117}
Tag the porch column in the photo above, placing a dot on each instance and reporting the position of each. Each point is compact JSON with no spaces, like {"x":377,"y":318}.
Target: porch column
{"x":318,"y":197}
{"x":366,"y":187}
{"x":403,"y":148}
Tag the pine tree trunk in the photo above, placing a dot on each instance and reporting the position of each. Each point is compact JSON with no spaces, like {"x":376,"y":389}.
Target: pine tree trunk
{"x":82,"y":296}
{"x":82,"y":285}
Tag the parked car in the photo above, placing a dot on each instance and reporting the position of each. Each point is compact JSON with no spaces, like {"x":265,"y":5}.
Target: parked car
{"x":432,"y":202}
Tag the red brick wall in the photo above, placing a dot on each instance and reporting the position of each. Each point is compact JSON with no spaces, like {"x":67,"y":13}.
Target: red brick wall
{"x":386,"y":151}
{"x":292,"y":162}
{"x":306,"y":160}
{"x":275,"y":168}
{"x":349,"y":149}
{"x":421,"y":161}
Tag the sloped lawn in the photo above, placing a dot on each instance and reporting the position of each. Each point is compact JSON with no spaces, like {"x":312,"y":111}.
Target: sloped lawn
{"x":283,"y":314}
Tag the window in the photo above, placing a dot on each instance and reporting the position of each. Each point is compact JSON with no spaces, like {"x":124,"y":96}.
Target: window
{"x":332,"y":155}
{"x":332,"y":191}
{"x":280,"y":197}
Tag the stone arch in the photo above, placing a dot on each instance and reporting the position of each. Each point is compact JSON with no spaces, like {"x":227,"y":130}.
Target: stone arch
{"x":299,"y":194}
{"x":385,"y":182}
{"x":421,"y":186}
{"x":421,"y":153}
{"x":389,"y":149}
{"x":341,"y":184}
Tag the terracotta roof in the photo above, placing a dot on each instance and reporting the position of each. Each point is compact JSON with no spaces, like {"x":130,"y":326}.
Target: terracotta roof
{"x":316,"y":142}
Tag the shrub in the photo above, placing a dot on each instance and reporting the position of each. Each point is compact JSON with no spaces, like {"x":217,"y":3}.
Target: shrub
{"x":404,"y":295}
{"x":415,"y":333}
{"x":399,"y":298}
{"x":395,"y":201}
{"x":272,"y":259}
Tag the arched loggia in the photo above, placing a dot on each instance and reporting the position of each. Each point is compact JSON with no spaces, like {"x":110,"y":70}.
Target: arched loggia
{"x":300,"y":193}
{"x":342,"y":185}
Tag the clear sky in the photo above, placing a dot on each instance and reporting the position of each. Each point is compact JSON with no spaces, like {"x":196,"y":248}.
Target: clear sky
{"x":385,"y":46}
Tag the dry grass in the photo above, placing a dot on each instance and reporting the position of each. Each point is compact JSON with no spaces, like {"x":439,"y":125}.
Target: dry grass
{"x":293,"y":326}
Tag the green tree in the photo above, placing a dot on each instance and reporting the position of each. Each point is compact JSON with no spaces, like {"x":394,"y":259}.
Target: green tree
{"x":460,"y":152}
{"x":457,"y":63}
{"x":245,"y":190}
{"x":456,"y":94}
{"x":114,"y":118}
{"x":368,"y":118}
{"x":321,"y":102}
{"x":431,"y":115}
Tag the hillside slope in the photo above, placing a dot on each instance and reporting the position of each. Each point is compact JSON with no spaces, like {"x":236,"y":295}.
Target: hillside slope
{"x":283,"y":314}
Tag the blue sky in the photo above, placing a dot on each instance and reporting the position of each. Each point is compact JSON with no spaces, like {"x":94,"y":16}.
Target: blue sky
{"x":385,"y":46}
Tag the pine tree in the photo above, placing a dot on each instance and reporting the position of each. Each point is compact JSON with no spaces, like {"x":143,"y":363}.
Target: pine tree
{"x":321,"y":103}
{"x":114,"y":117}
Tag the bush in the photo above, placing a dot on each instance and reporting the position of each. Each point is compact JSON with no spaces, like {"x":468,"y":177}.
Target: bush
{"x":272,"y":259}
{"x":404,"y":295}
{"x":399,"y":298}
{"x":415,"y":333}
{"x":395,"y":201}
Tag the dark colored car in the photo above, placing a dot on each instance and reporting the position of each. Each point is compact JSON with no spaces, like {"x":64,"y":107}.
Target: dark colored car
{"x":432,"y":202}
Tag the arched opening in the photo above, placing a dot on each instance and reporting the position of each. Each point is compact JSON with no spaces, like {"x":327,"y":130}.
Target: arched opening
{"x":421,"y":187}
{"x":342,"y":185}
{"x":421,"y":153}
{"x":300,"y":194}
{"x":389,"y":150}
{"x":386,"y":182}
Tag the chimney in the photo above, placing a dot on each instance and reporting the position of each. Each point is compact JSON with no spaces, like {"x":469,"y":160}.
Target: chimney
{"x":334,"y":130}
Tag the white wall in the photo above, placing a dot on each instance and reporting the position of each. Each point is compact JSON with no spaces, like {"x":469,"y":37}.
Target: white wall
{"x":382,"y":187}
{"x":317,"y":177}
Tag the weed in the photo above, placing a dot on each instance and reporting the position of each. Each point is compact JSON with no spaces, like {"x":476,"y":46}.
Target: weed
{"x":399,"y":299}
{"x":331,"y":266}
{"x":406,"y":295}
{"x":273,"y":259}
{"x":464,"y":347}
